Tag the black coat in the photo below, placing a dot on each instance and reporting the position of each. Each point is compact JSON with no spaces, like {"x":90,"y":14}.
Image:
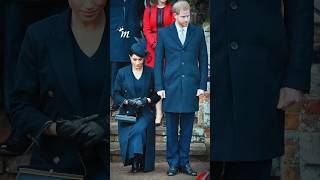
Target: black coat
{"x":256,"y":52}
{"x":18,"y":14}
{"x":185,"y":69}
{"x":125,"y":89}
{"x":47,"y":88}
{"x":127,"y":14}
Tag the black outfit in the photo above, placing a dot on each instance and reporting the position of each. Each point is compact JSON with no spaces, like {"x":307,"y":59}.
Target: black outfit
{"x":16,"y":16}
{"x":91,"y":77}
{"x":257,"y":51}
{"x":160,"y":17}
{"x":125,"y":15}
{"x":50,"y":85}
{"x":137,"y":138}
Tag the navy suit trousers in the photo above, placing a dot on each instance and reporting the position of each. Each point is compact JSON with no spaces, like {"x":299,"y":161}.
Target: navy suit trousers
{"x":178,"y":146}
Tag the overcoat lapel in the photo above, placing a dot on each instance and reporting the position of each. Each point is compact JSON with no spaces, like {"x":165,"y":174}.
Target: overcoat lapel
{"x":63,"y":62}
{"x":174,"y":34}
{"x":188,"y":35}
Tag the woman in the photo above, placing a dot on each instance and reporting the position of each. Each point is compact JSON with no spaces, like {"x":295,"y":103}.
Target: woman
{"x":134,"y":91}
{"x":156,"y":16}
{"x":61,"y":77}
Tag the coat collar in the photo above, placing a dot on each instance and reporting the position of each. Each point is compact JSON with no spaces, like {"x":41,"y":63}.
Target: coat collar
{"x":62,"y":60}
{"x":144,"y":78}
{"x":190,"y":30}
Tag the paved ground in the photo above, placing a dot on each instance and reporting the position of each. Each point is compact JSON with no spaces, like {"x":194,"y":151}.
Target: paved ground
{"x":119,"y":172}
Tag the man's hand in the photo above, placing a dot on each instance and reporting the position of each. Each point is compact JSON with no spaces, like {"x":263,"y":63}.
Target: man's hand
{"x":162,"y":94}
{"x":200,"y":92}
{"x":288,"y":96}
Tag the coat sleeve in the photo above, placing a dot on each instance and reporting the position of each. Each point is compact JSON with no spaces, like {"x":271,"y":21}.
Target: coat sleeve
{"x":203,"y":62}
{"x":154,"y":97}
{"x":150,"y":36}
{"x":159,"y":62}
{"x":118,"y":96}
{"x":299,"y":24}
{"x":24,"y":101}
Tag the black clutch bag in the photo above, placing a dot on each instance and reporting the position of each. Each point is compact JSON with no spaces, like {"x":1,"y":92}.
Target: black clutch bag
{"x":34,"y":174}
{"x":126,"y":118}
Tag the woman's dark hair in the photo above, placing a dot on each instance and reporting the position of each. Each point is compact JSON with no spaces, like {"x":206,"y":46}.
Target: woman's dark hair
{"x":150,"y":2}
{"x":130,"y":52}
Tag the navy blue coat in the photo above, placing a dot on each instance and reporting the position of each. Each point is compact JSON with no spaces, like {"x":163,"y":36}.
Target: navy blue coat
{"x":124,"y":89}
{"x":256,"y":52}
{"x":18,"y":14}
{"x":47,"y":88}
{"x":127,"y":14}
{"x":185,"y":69}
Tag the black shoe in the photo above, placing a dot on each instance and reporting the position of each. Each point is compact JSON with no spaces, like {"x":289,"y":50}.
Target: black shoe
{"x":135,"y":166}
{"x":158,"y":124}
{"x":172,"y":171}
{"x":186,"y":169}
{"x":14,"y":146}
{"x":141,"y":165}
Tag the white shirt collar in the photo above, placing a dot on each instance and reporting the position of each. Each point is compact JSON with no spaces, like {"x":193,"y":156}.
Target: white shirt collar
{"x":179,"y":28}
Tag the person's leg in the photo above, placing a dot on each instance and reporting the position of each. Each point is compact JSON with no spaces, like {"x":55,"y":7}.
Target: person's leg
{"x":216,"y":170}
{"x":255,"y":170}
{"x":172,"y":120}
{"x":137,"y":137}
{"x":159,"y":113}
{"x":186,"y":126}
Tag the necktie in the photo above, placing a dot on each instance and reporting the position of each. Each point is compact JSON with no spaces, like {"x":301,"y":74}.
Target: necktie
{"x":182,"y":36}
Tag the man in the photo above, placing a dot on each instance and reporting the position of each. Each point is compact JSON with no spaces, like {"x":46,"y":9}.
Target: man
{"x":261,"y":66}
{"x":125,"y":17}
{"x":183,"y":78}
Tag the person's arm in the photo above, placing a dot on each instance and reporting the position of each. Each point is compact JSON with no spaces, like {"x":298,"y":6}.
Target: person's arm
{"x":203,"y":63}
{"x":299,"y":25}
{"x":147,"y":31}
{"x":24,"y":106}
{"x":158,"y":68}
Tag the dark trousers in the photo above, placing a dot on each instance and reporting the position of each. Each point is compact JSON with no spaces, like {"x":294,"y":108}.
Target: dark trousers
{"x":255,"y":170}
{"x":178,"y":146}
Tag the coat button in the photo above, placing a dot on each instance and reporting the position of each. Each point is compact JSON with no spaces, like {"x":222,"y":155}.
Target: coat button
{"x":182,"y":63}
{"x":234,"y":45}
{"x":50,"y":93}
{"x":233,"y":5}
{"x":182,"y":76}
{"x":56,"y":160}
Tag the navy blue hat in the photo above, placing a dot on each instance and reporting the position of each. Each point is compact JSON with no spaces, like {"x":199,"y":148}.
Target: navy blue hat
{"x":139,"y":50}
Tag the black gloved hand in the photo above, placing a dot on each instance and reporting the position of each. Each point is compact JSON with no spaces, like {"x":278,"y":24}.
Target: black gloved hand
{"x":69,"y":129}
{"x":137,"y":102}
{"x":90,"y":134}
{"x":141,"y":102}
{"x":132,"y":102}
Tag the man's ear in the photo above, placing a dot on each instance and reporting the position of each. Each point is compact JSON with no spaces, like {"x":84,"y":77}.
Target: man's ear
{"x":175,"y":15}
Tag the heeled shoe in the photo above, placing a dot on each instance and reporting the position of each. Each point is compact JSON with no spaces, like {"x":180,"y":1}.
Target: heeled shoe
{"x":135,"y":166}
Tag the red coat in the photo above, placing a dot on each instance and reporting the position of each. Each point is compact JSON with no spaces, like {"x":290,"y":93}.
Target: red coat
{"x":150,"y":28}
